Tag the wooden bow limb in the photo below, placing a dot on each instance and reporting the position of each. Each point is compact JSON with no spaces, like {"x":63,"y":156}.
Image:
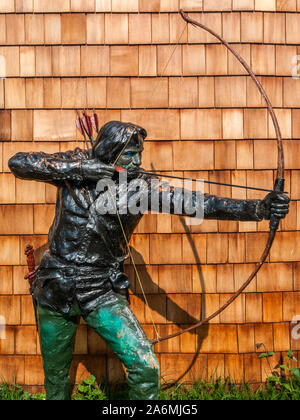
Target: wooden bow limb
{"x":278,"y":187}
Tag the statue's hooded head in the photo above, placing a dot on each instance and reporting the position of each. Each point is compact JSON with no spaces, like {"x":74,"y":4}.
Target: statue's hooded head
{"x":117,"y":138}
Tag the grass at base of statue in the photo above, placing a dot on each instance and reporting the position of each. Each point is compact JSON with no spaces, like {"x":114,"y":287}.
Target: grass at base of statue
{"x":227,"y":390}
{"x":214,"y":390}
{"x":283,"y":383}
{"x":15,"y":392}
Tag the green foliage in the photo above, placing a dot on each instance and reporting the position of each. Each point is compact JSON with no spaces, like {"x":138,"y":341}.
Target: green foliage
{"x":13,"y":393}
{"x":215,"y":390}
{"x":282,"y":384}
{"x":284,"y":381}
{"x":38,"y":397}
{"x":263,"y":355}
{"x":89,"y":390}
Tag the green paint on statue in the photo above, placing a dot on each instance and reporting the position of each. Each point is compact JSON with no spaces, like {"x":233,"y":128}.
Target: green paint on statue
{"x":117,"y":325}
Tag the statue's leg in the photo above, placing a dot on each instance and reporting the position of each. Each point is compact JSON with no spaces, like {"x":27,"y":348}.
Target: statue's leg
{"x":116,"y":323}
{"x":57,"y":336}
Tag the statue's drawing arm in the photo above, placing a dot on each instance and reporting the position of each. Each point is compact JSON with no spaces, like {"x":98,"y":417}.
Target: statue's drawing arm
{"x":53,"y":168}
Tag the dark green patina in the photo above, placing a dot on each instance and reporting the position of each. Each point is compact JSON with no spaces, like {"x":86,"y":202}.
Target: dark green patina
{"x":114,"y":321}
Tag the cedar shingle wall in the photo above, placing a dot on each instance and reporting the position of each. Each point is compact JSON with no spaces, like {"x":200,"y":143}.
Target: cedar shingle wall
{"x":205,"y":119}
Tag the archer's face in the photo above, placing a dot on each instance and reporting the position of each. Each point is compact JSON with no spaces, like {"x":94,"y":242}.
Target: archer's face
{"x":131,"y":158}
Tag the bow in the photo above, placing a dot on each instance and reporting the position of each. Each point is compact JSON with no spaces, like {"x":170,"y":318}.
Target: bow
{"x":278,"y":187}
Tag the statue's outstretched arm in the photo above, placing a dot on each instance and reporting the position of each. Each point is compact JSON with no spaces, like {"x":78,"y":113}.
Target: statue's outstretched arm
{"x":181,"y":202}
{"x":232,"y":209}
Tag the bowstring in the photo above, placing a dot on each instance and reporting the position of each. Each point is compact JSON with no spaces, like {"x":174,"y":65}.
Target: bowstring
{"x":133,"y":263}
{"x":114,"y":164}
